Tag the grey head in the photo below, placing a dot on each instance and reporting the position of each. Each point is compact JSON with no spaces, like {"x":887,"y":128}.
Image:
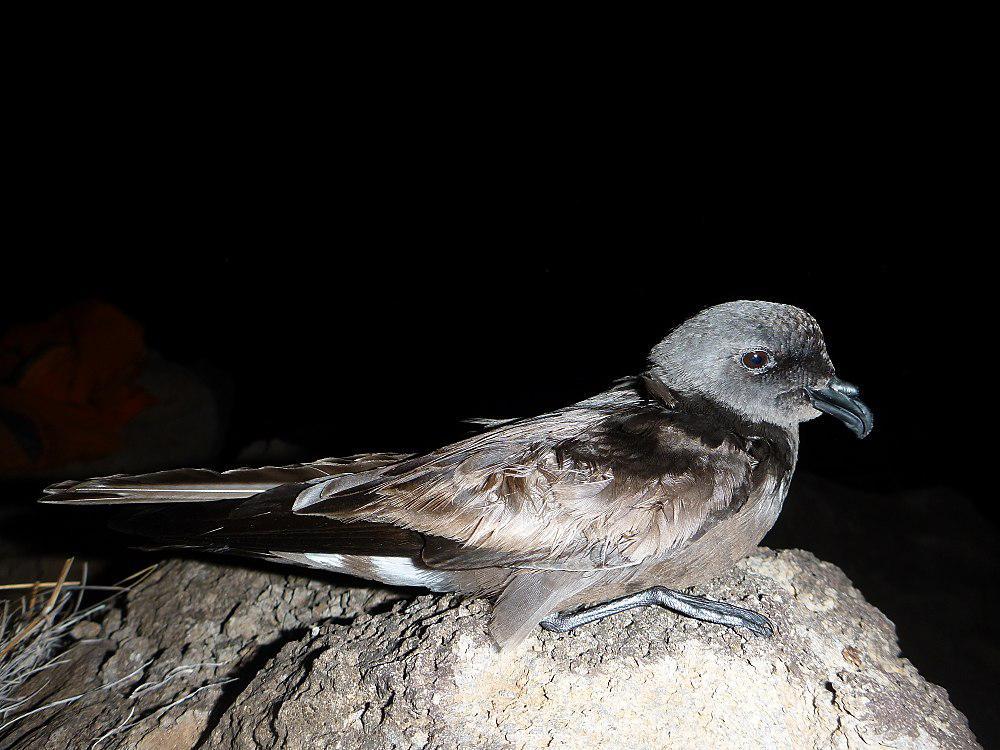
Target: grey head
{"x":765,"y":361}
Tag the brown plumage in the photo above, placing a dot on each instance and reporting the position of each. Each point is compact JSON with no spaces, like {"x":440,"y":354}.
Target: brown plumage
{"x":664,"y":480}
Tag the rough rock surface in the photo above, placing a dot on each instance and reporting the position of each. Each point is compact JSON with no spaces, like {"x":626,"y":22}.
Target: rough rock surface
{"x":188,"y":627}
{"x":319,"y":666}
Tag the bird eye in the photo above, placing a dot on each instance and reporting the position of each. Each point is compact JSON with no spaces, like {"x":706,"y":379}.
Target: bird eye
{"x":756,"y":360}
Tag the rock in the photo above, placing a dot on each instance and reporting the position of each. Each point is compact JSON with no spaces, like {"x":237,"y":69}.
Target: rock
{"x":320,"y":666}
{"x":85,"y":630}
{"x":939,"y":579}
{"x":177,"y":636}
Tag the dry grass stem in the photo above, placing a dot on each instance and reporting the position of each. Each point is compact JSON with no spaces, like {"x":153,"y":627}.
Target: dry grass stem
{"x":34,"y":632}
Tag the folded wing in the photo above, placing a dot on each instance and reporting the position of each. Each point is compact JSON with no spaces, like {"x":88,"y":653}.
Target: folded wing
{"x":531,"y":510}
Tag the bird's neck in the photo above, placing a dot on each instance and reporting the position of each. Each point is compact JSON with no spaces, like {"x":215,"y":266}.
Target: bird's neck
{"x":701,"y":407}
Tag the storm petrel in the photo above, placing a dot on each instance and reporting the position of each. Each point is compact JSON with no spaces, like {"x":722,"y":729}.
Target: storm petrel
{"x":658,"y":484}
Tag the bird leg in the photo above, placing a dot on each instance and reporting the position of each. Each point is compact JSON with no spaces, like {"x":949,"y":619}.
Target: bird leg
{"x":685,"y":604}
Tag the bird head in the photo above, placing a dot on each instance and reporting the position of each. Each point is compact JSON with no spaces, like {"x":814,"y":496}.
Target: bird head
{"x":766,"y":361}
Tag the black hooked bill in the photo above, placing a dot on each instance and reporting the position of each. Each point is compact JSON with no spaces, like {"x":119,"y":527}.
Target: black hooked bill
{"x":843,"y":401}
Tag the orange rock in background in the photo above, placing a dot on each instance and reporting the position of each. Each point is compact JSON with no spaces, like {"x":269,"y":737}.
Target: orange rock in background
{"x":67,"y":387}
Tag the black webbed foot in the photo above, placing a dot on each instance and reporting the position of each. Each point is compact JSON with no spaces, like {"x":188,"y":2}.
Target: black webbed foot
{"x":718,"y":612}
{"x":692,"y":606}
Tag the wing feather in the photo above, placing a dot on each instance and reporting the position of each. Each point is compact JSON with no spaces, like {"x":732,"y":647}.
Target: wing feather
{"x":583,"y":489}
{"x":204,"y":485}
{"x":612,"y":482}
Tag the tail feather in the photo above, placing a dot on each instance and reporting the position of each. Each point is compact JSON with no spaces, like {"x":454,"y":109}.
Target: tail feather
{"x":243,"y":511}
{"x":220,"y":528}
{"x":252,"y":512}
{"x":204,"y":485}
{"x":529,"y":597}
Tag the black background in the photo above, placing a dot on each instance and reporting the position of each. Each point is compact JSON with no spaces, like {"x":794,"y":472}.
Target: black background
{"x":365,"y":282}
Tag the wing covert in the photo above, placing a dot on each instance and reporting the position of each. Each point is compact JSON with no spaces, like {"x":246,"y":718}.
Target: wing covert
{"x":578,"y":490}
